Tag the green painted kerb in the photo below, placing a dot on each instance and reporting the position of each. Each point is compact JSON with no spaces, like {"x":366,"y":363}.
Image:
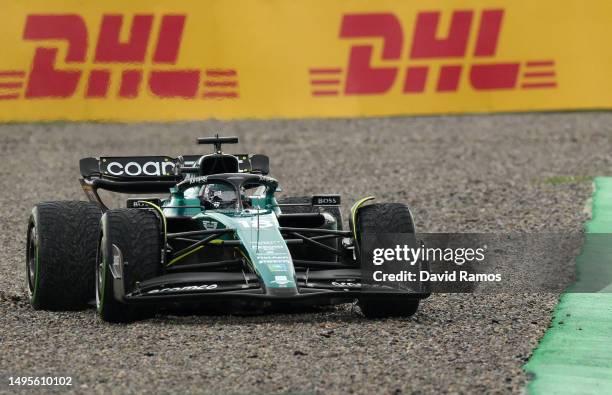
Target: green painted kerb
{"x":575,"y":355}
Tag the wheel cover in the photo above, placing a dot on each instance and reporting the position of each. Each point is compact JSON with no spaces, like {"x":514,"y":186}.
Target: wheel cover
{"x":31,"y":261}
{"x":100,"y":276}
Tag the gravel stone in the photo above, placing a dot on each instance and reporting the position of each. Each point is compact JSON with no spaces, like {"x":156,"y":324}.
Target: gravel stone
{"x":459,"y":174}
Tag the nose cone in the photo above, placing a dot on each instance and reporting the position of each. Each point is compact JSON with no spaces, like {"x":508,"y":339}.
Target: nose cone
{"x":267,"y":253}
{"x":282,"y":292}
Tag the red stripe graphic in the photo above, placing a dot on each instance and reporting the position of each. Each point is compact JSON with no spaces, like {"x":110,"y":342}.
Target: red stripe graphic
{"x":221,"y":83}
{"x":539,"y":63}
{"x":325,"y":82}
{"x":540,"y":74}
{"x":9,"y":97}
{"x":221,"y":73}
{"x":325,"y":93}
{"x":326,"y":71}
{"x":11,"y":84}
{"x":219,"y":95}
{"x":12,"y":73}
{"x":539,"y":85}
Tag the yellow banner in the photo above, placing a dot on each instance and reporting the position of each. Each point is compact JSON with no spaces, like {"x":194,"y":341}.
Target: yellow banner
{"x":197,"y":59}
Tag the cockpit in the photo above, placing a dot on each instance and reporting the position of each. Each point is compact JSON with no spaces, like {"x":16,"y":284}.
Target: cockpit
{"x":225,"y":196}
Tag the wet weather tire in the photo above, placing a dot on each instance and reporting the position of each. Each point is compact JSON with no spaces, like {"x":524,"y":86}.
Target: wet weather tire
{"x":136,"y":234}
{"x":61,"y":254}
{"x":377,"y":219}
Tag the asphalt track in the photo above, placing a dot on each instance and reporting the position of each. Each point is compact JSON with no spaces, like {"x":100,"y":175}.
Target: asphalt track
{"x":460,"y":174}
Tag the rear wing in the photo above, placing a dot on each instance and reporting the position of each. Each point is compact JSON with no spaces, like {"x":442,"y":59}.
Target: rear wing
{"x":148,"y":174}
{"x":142,"y":167}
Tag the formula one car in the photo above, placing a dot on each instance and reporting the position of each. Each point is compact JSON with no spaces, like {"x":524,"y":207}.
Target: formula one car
{"x":218,"y":236}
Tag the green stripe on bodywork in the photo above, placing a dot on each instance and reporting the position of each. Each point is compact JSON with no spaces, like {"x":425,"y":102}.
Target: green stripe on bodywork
{"x":575,"y":354}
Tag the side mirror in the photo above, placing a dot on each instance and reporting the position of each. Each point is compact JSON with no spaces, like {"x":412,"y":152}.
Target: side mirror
{"x":260,"y":164}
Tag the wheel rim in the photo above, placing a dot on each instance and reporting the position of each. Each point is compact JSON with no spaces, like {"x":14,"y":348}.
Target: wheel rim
{"x":99,"y":276}
{"x":31,"y":266}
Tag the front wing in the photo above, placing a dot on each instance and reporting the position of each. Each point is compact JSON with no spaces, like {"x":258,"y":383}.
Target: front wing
{"x":314,"y":287}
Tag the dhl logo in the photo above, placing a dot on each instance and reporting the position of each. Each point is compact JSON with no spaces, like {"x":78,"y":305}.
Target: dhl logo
{"x":361,"y":78}
{"x":45,"y":79}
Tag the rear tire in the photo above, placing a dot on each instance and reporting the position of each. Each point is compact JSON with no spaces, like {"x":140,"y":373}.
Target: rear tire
{"x":385,"y":218}
{"x":137,"y":234}
{"x":61,"y":254}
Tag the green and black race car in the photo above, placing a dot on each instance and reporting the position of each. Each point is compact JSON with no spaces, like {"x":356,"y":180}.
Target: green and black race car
{"x":220,"y":238}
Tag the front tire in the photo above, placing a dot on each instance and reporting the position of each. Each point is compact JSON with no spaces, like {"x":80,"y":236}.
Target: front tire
{"x":383,"y":218}
{"x":136,"y":234}
{"x":61,"y":254}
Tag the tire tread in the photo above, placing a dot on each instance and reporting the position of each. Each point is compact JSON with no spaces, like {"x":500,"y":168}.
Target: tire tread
{"x":386,"y":218}
{"x":68,"y":238}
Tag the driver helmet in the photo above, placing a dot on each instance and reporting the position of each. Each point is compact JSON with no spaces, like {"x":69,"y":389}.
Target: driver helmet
{"x":218,"y":196}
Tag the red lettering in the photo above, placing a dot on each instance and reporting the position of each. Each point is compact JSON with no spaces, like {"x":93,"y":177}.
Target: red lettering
{"x":449,"y":78}
{"x":69,"y":27}
{"x":426,"y":45}
{"x":110,"y":49}
{"x":181,"y":83}
{"x":130,"y":82}
{"x":416,"y":78}
{"x":488,"y":34}
{"x":361,"y":77}
{"x":97,"y":86}
{"x":169,"y":39}
{"x":45,"y":80}
{"x":494,"y":76}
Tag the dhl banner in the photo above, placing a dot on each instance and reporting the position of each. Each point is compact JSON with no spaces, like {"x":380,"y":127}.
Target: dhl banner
{"x":197,"y":59}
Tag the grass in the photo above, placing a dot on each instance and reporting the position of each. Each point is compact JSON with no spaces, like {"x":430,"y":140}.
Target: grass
{"x":560,"y":180}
